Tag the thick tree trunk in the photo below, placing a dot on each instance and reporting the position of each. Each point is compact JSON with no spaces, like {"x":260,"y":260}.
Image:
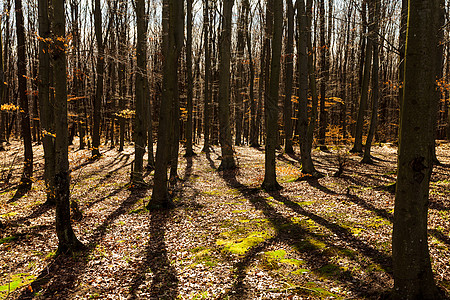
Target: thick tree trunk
{"x":306,"y":72}
{"x":27,"y":175}
{"x":413,"y":276}
{"x":271,"y":102}
{"x":67,"y":241}
{"x":140,"y":128}
{"x":227,"y":162}
{"x":172,"y":43}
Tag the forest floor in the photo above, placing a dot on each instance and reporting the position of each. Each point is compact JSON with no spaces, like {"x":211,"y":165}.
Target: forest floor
{"x":226,"y":238}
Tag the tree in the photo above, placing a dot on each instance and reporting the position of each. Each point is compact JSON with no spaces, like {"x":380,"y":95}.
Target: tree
{"x":172,"y":43}
{"x":140,"y":129}
{"x":289,"y":72}
{"x":357,"y":147}
{"x":323,"y":46}
{"x":67,"y":241}
{"x":306,"y":74}
{"x":227,"y":162}
{"x":413,"y":276}
{"x":207,"y":91}
{"x":27,"y":175}
{"x":271,"y":101}
{"x":2,"y":93}
{"x":46,"y":110}
{"x":375,"y":6}
{"x":189,"y":79}
{"x":99,"y":80}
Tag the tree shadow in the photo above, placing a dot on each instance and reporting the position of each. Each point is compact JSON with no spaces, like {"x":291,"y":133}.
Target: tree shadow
{"x":62,"y":273}
{"x":21,"y":191}
{"x":297,"y":236}
{"x":314,"y":182}
{"x":156,"y":261}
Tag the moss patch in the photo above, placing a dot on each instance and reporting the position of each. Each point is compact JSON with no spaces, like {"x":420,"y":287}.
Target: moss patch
{"x":241,"y":246}
{"x":15,"y":281}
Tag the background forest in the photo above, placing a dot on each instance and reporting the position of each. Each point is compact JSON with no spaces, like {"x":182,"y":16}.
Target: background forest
{"x":230,"y":149}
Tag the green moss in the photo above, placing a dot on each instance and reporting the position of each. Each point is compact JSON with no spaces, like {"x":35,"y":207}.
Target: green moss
{"x":241,"y":246}
{"x":300,"y":271}
{"x":330,"y":270}
{"x":276,"y":254}
{"x":310,"y":244}
{"x":10,"y":214}
{"x":7,"y":239}
{"x":16,"y":281}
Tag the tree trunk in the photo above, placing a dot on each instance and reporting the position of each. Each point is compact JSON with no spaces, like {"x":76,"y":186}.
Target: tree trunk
{"x":140,"y":128}
{"x":172,"y":43}
{"x":207,"y":92}
{"x":2,"y":97}
{"x":190,"y":81}
{"x":289,"y":72}
{"x":323,"y":76}
{"x":99,"y":80}
{"x":123,"y":6}
{"x":27,"y":175}
{"x":271,"y":102}
{"x":46,"y":112}
{"x":357,"y":147}
{"x":227,"y":162}
{"x":67,"y":241}
{"x":306,"y":71}
{"x":375,"y":4}
{"x":413,"y":276}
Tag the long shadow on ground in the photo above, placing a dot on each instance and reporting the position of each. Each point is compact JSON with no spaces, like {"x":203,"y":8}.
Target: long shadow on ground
{"x":62,"y":273}
{"x":298,"y":237}
{"x":164,"y":279}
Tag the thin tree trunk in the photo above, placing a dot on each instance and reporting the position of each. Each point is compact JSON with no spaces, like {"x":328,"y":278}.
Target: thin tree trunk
{"x":46,"y":116}
{"x":357,"y":147}
{"x":99,"y":80}
{"x":140,"y":128}
{"x":2,"y":96}
{"x":289,"y":72}
{"x":323,"y":76}
{"x":207,"y":92}
{"x":375,"y":84}
{"x":27,"y":175}
{"x":190,"y":81}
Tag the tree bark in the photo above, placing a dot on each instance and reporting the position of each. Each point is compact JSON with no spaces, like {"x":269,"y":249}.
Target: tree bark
{"x":46,"y":111}
{"x":172,"y":43}
{"x":271,"y":102}
{"x":27,"y":175}
{"x":413,"y":276}
{"x":306,"y":72}
{"x":67,"y":241}
{"x":207,"y":92}
{"x":289,"y":72}
{"x":375,"y":4}
{"x":226,"y":143}
{"x":140,"y":128}
{"x":2,"y":97}
{"x":99,"y":80}
{"x":357,"y":146}
{"x":190,"y":81}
